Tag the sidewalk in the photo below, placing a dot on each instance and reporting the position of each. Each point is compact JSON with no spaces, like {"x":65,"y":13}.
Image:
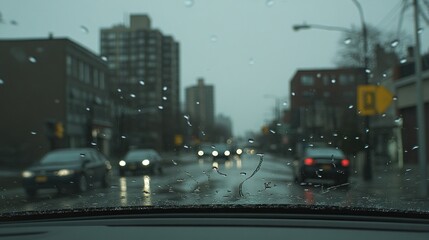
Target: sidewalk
{"x":392,"y":183}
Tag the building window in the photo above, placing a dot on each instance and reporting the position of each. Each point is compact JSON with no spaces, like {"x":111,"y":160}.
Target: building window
{"x":81,"y":71}
{"x":95,"y":77}
{"x":102,"y":81}
{"x":307,"y":80}
{"x":346,"y":79}
{"x":69,"y":62}
{"x":326,"y":80}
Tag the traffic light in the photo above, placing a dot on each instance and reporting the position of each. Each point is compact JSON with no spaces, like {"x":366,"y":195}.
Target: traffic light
{"x":59,"y":130}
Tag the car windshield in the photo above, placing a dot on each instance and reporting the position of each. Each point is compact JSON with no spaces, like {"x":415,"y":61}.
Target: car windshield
{"x":63,"y":157}
{"x":325,"y":152}
{"x":188,"y":103}
{"x":139,"y":154}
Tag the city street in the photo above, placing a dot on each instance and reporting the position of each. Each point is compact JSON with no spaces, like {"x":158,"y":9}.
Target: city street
{"x":187,"y":180}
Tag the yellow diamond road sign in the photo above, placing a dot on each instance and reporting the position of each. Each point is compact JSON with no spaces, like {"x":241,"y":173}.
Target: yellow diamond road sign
{"x":372,"y":99}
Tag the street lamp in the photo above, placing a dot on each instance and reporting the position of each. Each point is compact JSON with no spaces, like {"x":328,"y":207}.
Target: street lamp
{"x":367,"y":173}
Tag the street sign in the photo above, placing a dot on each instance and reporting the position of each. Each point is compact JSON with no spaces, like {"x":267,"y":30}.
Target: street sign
{"x":373,"y":100}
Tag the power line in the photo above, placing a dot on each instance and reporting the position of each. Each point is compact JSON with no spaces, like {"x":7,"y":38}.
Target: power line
{"x":388,"y":18}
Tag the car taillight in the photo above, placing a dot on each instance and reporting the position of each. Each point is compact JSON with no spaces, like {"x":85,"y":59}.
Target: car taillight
{"x":345,"y":162}
{"x":308,"y":161}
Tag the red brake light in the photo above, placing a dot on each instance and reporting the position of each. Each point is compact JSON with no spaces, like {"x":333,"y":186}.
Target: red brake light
{"x":308,"y":161}
{"x":345,"y":162}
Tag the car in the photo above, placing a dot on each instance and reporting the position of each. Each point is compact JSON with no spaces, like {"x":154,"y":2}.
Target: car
{"x":221,"y":151}
{"x":323,"y":163}
{"x":75,"y":169}
{"x":204,"y":150}
{"x":140,"y":160}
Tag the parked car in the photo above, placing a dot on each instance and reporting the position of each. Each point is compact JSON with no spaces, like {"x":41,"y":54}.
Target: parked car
{"x":75,"y":169}
{"x":323,"y":163}
{"x":140,"y":160}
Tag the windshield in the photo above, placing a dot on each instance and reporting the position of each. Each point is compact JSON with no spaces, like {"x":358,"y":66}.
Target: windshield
{"x":138,"y":154}
{"x":325,"y":152}
{"x":63,"y":157}
{"x":239,"y":103}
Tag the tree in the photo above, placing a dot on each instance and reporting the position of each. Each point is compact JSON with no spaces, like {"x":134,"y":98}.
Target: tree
{"x":350,"y":53}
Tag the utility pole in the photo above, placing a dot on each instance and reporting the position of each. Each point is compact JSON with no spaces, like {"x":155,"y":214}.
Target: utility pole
{"x":420,"y":105}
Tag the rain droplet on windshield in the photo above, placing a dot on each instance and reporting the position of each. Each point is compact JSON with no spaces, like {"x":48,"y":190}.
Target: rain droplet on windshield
{"x":141,"y":83}
{"x":119,"y":90}
{"x":174,"y":162}
{"x":251,"y":140}
{"x":84,"y":29}
{"x":269,"y":3}
{"x":132,"y":95}
{"x":347,"y":41}
{"x":160,"y":107}
{"x":104,"y":58}
{"x":243,"y":173}
{"x":189,"y":3}
{"x":367,"y":70}
{"x":93,"y":144}
{"x":415,"y":147}
{"x":32,"y":59}
{"x":366,"y":146}
{"x":1,"y":82}
{"x":394,"y":43}
{"x":213,"y":38}
{"x":333,"y":81}
{"x":351,"y":106}
{"x":164,"y":98}
{"x":251,"y":61}
{"x":403,"y":60}
{"x":88,"y":109}
{"x":82,"y":155}
{"x":123,"y":137}
{"x":165,"y":88}
{"x":272,"y":131}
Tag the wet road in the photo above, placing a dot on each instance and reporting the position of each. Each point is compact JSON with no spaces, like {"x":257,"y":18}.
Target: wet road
{"x":187,"y":180}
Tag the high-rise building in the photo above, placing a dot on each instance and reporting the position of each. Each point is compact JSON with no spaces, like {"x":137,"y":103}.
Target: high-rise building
{"x":144,"y":65}
{"x":62,"y":87}
{"x":200,"y":107}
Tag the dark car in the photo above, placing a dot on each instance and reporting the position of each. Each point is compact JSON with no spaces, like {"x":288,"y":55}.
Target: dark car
{"x":140,"y":160}
{"x":323,"y":164}
{"x":75,"y":169}
{"x":221,"y":151}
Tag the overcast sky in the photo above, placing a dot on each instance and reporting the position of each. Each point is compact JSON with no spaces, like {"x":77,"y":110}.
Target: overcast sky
{"x":245,"y":48}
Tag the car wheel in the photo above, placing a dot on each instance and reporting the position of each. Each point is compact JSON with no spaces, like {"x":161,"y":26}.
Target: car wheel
{"x":82,"y":184}
{"x":31,"y":192}
{"x":106,"y":180}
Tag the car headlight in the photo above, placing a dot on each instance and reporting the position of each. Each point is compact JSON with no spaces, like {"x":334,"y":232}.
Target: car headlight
{"x":239,"y":151}
{"x":227,"y":153}
{"x":122,"y":163}
{"x":27,"y":174}
{"x":200,"y":153}
{"x":64,"y":172}
{"x":145,"y":162}
{"x":215,"y":153}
